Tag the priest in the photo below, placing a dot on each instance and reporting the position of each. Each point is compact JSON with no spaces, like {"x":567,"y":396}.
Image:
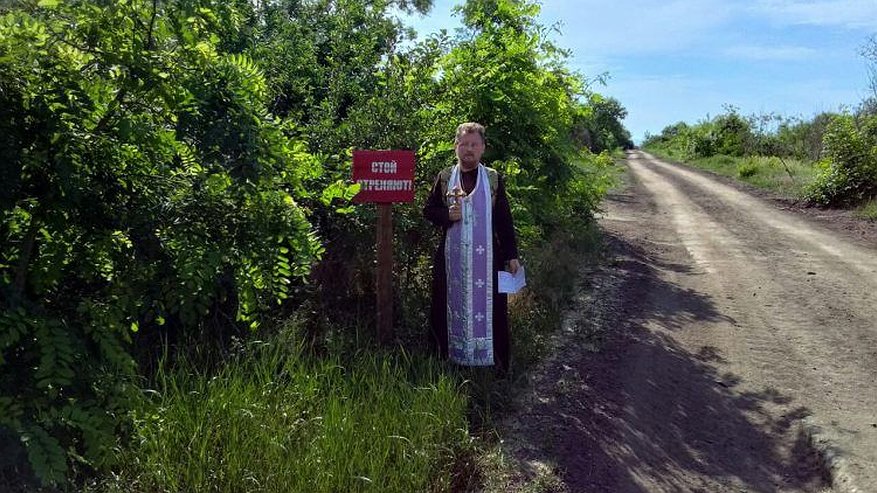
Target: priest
{"x":469,"y":317}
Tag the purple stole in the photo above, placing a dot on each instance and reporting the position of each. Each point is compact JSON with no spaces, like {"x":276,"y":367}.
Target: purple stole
{"x":469,"y":267}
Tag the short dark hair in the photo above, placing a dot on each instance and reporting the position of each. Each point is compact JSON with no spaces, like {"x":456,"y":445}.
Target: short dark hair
{"x":469,"y":128}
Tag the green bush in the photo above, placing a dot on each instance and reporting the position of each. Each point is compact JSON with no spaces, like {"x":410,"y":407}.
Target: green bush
{"x":731,"y":134}
{"x":748,"y":169}
{"x":848,"y":174}
{"x":149,"y":190}
{"x":728,"y":134}
{"x":803,"y":140}
{"x":701,"y":141}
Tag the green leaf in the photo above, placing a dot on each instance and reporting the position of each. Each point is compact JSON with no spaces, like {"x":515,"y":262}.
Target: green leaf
{"x":45,"y":455}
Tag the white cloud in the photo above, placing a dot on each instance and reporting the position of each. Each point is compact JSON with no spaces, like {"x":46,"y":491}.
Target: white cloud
{"x":624,"y":27}
{"x":772,"y":53}
{"x":851,"y":14}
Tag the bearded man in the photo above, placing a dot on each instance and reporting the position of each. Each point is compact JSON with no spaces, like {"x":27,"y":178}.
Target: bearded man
{"x":469,"y":317}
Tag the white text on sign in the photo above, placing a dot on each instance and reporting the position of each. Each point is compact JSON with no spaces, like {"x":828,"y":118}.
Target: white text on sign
{"x":385,"y":167}
{"x":385,"y":185}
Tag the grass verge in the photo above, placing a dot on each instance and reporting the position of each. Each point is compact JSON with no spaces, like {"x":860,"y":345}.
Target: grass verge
{"x":868,"y":211}
{"x":785,"y":177}
{"x":275,"y":420}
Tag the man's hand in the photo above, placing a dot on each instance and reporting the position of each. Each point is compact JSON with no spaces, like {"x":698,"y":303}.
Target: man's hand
{"x":455,"y":213}
{"x":514,"y":265}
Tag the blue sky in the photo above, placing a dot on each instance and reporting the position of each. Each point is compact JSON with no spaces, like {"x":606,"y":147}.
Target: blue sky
{"x":682,"y":60}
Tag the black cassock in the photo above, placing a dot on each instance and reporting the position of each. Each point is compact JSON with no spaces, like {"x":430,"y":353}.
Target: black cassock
{"x":505,"y":248}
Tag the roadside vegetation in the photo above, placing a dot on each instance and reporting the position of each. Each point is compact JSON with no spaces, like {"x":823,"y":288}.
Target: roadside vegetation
{"x":187,"y":292}
{"x":829,"y":160}
{"x":868,"y":210}
{"x":273,"y":419}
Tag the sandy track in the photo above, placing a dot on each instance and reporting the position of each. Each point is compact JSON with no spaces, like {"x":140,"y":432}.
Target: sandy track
{"x":737,"y":335}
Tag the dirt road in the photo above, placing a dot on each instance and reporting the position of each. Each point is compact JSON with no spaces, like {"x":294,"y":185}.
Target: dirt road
{"x":739,"y":339}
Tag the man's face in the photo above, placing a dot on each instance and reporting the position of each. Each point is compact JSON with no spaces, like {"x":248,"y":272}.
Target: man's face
{"x":469,"y":149}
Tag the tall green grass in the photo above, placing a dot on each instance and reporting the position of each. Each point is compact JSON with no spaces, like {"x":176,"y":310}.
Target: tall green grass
{"x":868,"y":210}
{"x":274,"y":420}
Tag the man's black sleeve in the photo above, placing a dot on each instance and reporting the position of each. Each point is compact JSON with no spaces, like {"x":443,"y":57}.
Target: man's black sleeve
{"x":435,"y":209}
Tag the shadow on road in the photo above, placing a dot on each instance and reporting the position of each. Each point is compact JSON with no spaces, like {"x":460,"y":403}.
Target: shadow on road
{"x":645,"y":414}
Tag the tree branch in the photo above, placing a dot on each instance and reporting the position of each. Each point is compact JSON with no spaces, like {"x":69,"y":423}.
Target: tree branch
{"x":150,"y":41}
{"x":27,"y":248}
{"x":111,"y":112}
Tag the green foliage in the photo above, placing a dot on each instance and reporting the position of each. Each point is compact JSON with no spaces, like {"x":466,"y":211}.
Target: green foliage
{"x":774,"y":153}
{"x":147,"y":185}
{"x":784,"y":176}
{"x":45,"y":399}
{"x":756,"y":135}
{"x":849,"y":173}
{"x":843,"y":148}
{"x":802,"y":139}
{"x":179,"y":170}
{"x":599,"y":126}
{"x":748,"y":168}
{"x":502,"y":72}
{"x":731,"y":132}
{"x":507,"y":75}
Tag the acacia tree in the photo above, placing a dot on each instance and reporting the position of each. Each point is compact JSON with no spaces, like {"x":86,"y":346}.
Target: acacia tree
{"x":341,"y":70}
{"x":506,"y":73}
{"x":338,"y":68}
{"x":145,"y":185}
{"x":600,"y":124}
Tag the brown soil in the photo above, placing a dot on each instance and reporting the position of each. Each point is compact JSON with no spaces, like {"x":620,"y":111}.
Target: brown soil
{"x":723,"y":342}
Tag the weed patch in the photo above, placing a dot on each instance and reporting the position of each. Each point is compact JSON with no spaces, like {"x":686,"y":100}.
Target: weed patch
{"x":868,"y":210}
{"x":274,"y":419}
{"x":789,"y":178}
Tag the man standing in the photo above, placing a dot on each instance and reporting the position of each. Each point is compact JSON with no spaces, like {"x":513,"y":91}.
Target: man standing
{"x":468,"y":201}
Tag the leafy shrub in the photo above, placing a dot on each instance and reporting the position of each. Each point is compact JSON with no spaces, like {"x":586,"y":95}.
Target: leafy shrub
{"x":748,"y":169}
{"x":532,"y":108}
{"x":803,"y":139}
{"x":149,"y":189}
{"x":849,"y":172}
{"x":732,"y":132}
{"x":701,"y":141}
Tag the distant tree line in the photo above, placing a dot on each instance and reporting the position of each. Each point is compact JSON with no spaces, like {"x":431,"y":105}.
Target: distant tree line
{"x":842,"y":145}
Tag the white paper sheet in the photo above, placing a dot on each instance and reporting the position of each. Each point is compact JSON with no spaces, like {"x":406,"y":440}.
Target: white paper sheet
{"x":509,"y":283}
